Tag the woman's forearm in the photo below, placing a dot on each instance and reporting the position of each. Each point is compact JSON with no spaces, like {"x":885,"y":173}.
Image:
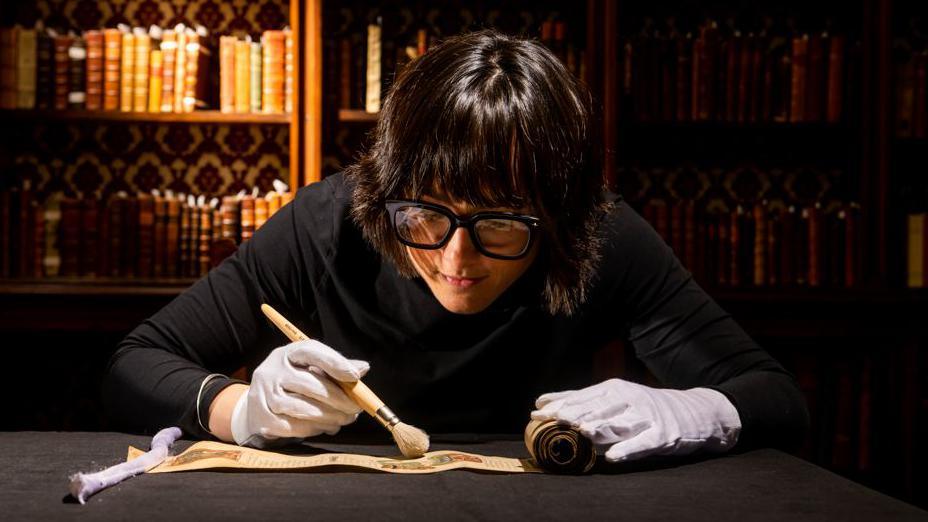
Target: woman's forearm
{"x":220,"y":411}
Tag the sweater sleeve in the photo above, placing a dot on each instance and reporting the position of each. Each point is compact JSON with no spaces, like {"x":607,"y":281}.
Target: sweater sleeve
{"x":686,"y":340}
{"x":216,"y":325}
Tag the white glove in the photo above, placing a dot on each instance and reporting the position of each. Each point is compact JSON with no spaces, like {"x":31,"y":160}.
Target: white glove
{"x":630,"y":421}
{"x":292,"y":395}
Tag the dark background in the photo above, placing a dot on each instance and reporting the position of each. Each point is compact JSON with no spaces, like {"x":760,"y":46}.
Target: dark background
{"x":857,"y":350}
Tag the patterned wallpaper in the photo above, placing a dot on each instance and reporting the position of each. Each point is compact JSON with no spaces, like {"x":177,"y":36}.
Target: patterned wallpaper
{"x":89,"y":157}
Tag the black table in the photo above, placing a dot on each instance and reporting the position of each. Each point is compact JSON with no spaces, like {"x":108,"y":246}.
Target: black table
{"x":757,"y":485}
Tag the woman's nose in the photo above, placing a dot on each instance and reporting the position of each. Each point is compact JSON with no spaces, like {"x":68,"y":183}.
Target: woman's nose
{"x":460,"y":245}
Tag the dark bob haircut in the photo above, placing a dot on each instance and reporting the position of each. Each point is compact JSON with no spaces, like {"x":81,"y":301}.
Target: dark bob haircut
{"x":494,"y":121}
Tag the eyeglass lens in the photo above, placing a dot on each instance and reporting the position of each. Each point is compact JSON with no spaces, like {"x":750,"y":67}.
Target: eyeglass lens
{"x":427,"y":228}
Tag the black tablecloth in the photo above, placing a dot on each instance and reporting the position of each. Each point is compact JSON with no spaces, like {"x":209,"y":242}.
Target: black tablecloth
{"x":758,"y":485}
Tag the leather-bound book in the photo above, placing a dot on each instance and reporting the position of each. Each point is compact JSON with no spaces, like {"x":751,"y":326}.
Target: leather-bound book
{"x":260,"y":212}
{"x":732,"y":66}
{"x":668,"y":66}
{"x":789,"y":223}
{"x":759,"y":219}
{"x":802,"y":247}
{"x":734,"y":234}
{"x":104,"y":257}
{"x":231,"y":218}
{"x":227,"y":74}
{"x":289,"y":71}
{"x":273,"y":72}
{"x":168,"y":64}
{"x":180,"y":68}
{"x":172,"y":236}
{"x":744,"y":78}
{"x":159,"y":244}
{"x":89,"y":245}
{"x":146,"y":235}
{"x":197,"y":81}
{"x":723,"y":263}
{"x":373,"y":84}
{"x":834,"y":252}
{"x":768,"y":85}
{"x":62,"y":69}
{"x":186,"y":221}
{"x":286,"y":198}
{"x":852,"y":245}
{"x":774,"y":239}
{"x":247,"y":206}
{"x":782,"y":82}
{"x":51,"y":263}
{"x":94,"y":86}
{"x":815,"y":78}
{"x":834,"y":99}
{"x":155,"y":80}
{"x":697,"y":75}
{"x":242,"y":75}
{"x":8,"y":67}
{"x":116,"y":215}
{"x":127,"y":71}
{"x":710,"y":59}
{"x":904,"y":59}
{"x":44,"y":71}
{"x":915,"y":250}
{"x":77,"y":79}
{"x":756,"y":93}
{"x":815,"y":245}
{"x":22,"y":230}
{"x":797,"y":95}
{"x":25,"y":68}
{"x":112,"y":63}
{"x":273,"y":203}
{"x":920,"y":104}
{"x":684,"y":76}
{"x":140,"y":70}
{"x":129,"y":257}
{"x":205,"y":238}
{"x":70,"y":236}
{"x":255,"y":88}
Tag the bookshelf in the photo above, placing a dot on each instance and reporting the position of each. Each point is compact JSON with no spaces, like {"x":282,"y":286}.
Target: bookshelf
{"x":205,"y":116}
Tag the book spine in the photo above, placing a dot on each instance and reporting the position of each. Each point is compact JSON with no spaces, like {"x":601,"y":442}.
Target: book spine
{"x":185,"y":223}
{"x":760,"y":244}
{"x":103,"y":254}
{"x":242,"y":76}
{"x":51,"y":263}
{"x":372,"y":84}
{"x":915,"y":275}
{"x":62,"y":68}
{"x":261,"y":214}
{"x":835,"y":90}
{"x":24,"y":228}
{"x":45,"y":71}
{"x":146,"y":235}
{"x":112,"y":61}
{"x":797,"y":111}
{"x":205,"y":239}
{"x":756,"y":94}
{"x":38,"y":239}
{"x":684,"y":72}
{"x":734,"y":233}
{"x":89,"y":237}
{"x":95,"y":65}
{"x":192,"y":71}
{"x":815,"y":245}
{"x":155,"y":81}
{"x":815,"y":78}
{"x":255,"y":75}
{"x":744,"y":78}
{"x":696,"y":77}
{"x":116,"y":211}
{"x":230,"y":219}
{"x":140,"y":74}
{"x":171,"y":237}
{"x":344,"y":73}
{"x":247,"y":219}
{"x":131,"y":238}
{"x":8,"y":67}
{"x":193,"y":249}
{"x":851,"y":246}
{"x":77,"y":79}
{"x":774,"y":239}
{"x":789,"y":224}
{"x":273,"y":203}
{"x":180,"y":71}
{"x":289,"y":71}
{"x":168,"y":65}
{"x":160,"y":237}
{"x":70,"y":236}
{"x":127,"y":72}
{"x":26,"y":69}
{"x":227,"y":74}
{"x":274,"y":72}
{"x":920,"y":105}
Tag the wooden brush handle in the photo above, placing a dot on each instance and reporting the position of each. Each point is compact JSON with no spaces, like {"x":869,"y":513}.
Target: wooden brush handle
{"x":357,"y":390}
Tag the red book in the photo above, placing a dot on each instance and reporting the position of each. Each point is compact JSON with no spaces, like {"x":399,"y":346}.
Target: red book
{"x":708,"y":72}
{"x":834,"y":253}
{"x":696,"y":77}
{"x":44,"y":71}
{"x":131,"y":237}
{"x":683,"y":77}
{"x":815,"y":245}
{"x":94,"y":87}
{"x":172,"y":237}
{"x":835,"y":89}
{"x":797,"y":96}
{"x":116,"y":211}
{"x":205,"y":239}
{"x":815,"y":78}
{"x":69,"y":236}
{"x":760,"y":243}
{"x":744,"y":78}
{"x":62,"y":67}
{"x":788,"y":250}
{"x":146,"y":235}
{"x":89,"y":236}
{"x":104,"y":259}
{"x":756,"y":93}
{"x":782,"y":84}
{"x":185,"y":221}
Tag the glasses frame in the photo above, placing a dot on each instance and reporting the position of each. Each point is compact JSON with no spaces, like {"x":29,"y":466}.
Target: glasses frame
{"x":393,"y":206}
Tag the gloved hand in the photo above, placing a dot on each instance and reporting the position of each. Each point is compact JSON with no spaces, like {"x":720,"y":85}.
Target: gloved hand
{"x":293,"y":395}
{"x":630,"y":421}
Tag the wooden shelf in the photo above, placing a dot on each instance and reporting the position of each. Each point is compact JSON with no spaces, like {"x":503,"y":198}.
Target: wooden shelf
{"x":94,"y":286}
{"x":357,"y":116}
{"x":147,"y":117}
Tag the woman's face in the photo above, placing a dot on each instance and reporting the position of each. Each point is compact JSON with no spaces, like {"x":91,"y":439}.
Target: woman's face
{"x":462,"y":279}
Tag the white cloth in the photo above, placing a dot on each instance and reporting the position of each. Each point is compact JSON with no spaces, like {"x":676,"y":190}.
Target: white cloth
{"x":293,"y":395}
{"x":628,"y":421}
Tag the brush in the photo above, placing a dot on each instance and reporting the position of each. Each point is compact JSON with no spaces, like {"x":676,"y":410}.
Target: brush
{"x":412,"y":441}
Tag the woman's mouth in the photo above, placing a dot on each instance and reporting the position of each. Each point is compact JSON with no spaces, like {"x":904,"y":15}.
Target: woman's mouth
{"x":462,"y":282}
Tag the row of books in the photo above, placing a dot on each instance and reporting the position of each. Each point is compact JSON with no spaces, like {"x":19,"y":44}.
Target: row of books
{"x":136,"y":70}
{"x":256,"y":76}
{"x":738,"y":77}
{"x":917,"y":250}
{"x":145,"y":235}
{"x":911,"y":72}
{"x":364,"y":64}
{"x":761,"y":245}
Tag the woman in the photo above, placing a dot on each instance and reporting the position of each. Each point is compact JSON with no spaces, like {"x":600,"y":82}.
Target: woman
{"x":472,"y":261}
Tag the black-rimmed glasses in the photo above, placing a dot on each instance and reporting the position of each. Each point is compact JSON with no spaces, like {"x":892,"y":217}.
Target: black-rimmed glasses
{"x":499,"y":235}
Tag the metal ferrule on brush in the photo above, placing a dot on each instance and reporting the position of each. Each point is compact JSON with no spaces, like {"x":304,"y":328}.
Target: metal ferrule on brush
{"x":387,"y":417}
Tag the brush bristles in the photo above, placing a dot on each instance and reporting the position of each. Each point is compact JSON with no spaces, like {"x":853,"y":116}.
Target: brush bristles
{"x":412,"y":441}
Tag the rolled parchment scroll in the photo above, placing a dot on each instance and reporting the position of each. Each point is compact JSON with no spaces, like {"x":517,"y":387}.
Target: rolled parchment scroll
{"x":559,"y":449}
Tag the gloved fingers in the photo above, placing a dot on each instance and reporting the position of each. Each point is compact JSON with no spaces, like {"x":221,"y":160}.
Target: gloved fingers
{"x":304,"y":408}
{"x":284,"y":426}
{"x":580,"y":400}
{"x":547,"y":398}
{"x":614,"y":429}
{"x":314,"y":353}
{"x":646,"y":443}
{"x":361,"y":366}
{"x":599,"y":408}
{"x":313,"y":383}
